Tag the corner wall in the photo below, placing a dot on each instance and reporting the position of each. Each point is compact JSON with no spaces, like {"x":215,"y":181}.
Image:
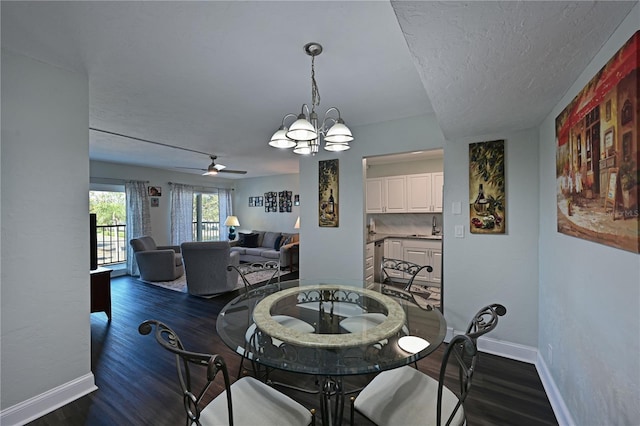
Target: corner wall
{"x":46,"y":345}
{"x":589,"y":296}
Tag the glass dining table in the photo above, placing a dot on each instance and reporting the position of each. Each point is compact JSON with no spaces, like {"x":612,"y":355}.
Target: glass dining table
{"x":347,"y":331}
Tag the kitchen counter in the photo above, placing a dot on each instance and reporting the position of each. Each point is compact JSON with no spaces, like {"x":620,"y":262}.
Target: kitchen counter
{"x":372,"y":238}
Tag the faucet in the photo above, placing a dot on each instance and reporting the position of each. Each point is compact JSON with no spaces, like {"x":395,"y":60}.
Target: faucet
{"x":434,"y":223}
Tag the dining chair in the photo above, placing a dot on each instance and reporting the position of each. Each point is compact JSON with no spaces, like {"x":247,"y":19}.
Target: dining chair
{"x":246,"y":270}
{"x":485,"y":320}
{"x":259,"y":403}
{"x":400,"y":273}
{"x":406,"y":396}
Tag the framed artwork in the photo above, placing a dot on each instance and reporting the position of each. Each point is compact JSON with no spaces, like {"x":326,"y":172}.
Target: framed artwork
{"x":597,"y":187}
{"x":328,"y":213}
{"x":258,"y":201}
{"x":296,"y":200}
{"x":155,"y":201}
{"x":155,"y":191}
{"x":271,"y":202}
{"x":284,"y":201}
{"x":487,"y":199}
{"x":252,"y":201}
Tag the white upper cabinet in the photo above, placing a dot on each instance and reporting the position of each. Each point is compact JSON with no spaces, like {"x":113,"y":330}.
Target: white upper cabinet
{"x":386,"y":195}
{"x":418,"y":193}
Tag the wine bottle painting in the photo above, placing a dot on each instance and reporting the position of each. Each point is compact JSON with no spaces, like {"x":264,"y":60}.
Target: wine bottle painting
{"x":328,"y":193}
{"x":486,"y":188}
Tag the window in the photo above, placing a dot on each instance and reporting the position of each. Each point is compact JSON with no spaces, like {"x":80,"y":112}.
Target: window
{"x":110,"y":209}
{"x":206,"y":217}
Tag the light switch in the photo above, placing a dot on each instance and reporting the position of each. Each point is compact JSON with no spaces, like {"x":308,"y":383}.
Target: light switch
{"x":459,"y":231}
{"x":456,"y":207}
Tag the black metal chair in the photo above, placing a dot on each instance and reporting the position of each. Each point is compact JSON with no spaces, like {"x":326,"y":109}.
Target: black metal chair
{"x":259,"y":403}
{"x":485,"y":320}
{"x":406,"y":396}
{"x":400,"y":273}
{"x":248,"y":270}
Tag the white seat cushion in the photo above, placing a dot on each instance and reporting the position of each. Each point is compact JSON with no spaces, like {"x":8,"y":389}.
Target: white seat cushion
{"x":255,"y":403}
{"x":405,"y":396}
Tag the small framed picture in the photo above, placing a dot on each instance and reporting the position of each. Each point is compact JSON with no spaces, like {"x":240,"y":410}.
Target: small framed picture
{"x":296,"y":200}
{"x":607,"y":110}
{"x":155,"y":201}
{"x":155,"y":191}
{"x":252,"y":201}
{"x":259,"y":201}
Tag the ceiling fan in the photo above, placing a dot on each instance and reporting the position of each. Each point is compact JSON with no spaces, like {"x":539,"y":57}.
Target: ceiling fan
{"x":212,"y":170}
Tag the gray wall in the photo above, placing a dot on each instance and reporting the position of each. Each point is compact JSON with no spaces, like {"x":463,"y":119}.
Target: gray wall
{"x":589,"y":294}
{"x":45,"y":230}
{"x":255,"y":217}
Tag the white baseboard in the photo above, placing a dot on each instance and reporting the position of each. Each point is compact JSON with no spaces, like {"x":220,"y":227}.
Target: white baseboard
{"x":563,"y":415}
{"x":33,"y":408}
{"x":502,"y":348}
{"x":529,"y":355}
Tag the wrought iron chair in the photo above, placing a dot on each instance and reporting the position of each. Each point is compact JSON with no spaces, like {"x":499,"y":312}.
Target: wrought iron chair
{"x":247,"y":270}
{"x":485,"y":320}
{"x":418,"y":398}
{"x":400,"y":273}
{"x":258,"y":402}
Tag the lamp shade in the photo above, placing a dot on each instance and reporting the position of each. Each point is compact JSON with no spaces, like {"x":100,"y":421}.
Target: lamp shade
{"x":231,"y":221}
{"x":339,"y":133}
{"x":297,"y":225}
{"x":302,"y":130}
{"x":335,"y":147}
{"x":280,"y":139}
{"x":302,"y":147}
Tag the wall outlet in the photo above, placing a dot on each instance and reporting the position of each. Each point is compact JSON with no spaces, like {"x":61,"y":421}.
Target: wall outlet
{"x":550,"y":354}
{"x":459,"y":231}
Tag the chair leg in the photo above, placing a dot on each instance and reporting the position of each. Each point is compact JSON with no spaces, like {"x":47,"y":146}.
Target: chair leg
{"x":352,"y":410}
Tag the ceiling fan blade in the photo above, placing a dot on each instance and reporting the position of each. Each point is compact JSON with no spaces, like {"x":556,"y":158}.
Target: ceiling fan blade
{"x":191,"y":168}
{"x":239,"y":172}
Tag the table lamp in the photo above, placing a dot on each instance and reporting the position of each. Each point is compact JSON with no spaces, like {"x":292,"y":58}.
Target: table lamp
{"x":232,"y":222}
{"x":297,"y":225}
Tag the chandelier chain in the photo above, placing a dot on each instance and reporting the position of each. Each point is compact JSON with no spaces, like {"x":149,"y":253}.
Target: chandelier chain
{"x":315,"y":92}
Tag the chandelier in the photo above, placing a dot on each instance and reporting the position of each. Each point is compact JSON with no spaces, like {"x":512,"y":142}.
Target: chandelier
{"x":305,"y":133}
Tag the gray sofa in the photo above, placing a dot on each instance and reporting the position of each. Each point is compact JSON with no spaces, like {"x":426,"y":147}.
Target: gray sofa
{"x":261,"y":246}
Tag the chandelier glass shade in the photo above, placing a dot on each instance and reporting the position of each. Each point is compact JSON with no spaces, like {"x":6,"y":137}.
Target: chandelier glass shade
{"x":305,"y":132}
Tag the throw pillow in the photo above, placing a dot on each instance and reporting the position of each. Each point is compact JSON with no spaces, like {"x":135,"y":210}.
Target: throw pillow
{"x":251,"y":241}
{"x":276,"y":245}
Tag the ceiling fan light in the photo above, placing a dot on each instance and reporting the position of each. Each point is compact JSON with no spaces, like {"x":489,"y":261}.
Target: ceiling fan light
{"x":339,"y":133}
{"x":211,"y":170}
{"x":302,"y":148}
{"x":336,"y":147}
{"x":302,"y":130}
{"x":280,"y":139}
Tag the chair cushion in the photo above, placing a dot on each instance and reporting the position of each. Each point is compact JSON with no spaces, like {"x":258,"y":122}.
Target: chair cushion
{"x":285,"y":320}
{"x":177,"y":259}
{"x":413,"y":402}
{"x":255,"y":403}
{"x":269,"y":239}
{"x":248,"y":240}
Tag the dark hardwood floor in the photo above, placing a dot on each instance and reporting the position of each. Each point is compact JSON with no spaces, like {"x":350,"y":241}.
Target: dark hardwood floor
{"x":137,"y":379}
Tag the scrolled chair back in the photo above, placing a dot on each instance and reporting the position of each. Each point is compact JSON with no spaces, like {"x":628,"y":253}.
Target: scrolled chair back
{"x":485,"y":320}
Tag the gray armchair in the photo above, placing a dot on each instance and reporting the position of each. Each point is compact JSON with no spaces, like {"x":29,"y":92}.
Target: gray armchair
{"x":206,"y":264}
{"x":157,"y":263}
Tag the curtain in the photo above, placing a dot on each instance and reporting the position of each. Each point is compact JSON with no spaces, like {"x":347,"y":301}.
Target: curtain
{"x":138,"y":218}
{"x":181,"y":214}
{"x":225,"y":209}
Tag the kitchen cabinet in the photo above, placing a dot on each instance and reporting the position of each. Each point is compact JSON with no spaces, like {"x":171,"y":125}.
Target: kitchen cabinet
{"x":369,"y":266}
{"x":424,"y":192}
{"x":386,"y":195}
{"x":421,"y":252}
{"x":418,"y":193}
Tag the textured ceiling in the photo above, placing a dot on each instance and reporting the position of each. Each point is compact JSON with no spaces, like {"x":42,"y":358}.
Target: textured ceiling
{"x":217,"y":77}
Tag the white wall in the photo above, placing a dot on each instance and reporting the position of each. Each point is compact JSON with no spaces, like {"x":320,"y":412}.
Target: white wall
{"x":589,"y":294}
{"x":103,"y":172}
{"x":46,"y":343}
{"x":255,"y":217}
